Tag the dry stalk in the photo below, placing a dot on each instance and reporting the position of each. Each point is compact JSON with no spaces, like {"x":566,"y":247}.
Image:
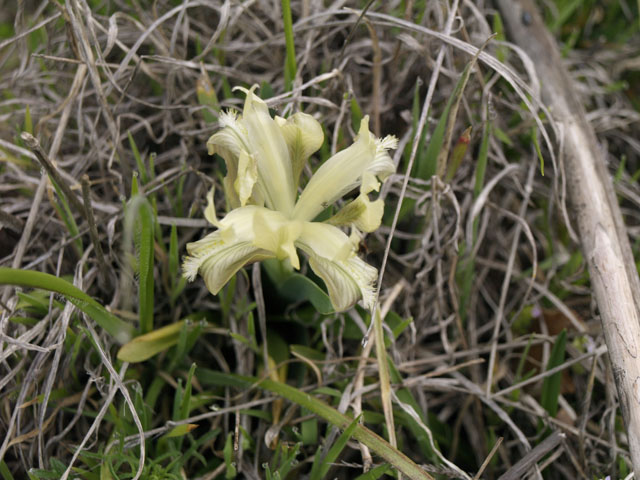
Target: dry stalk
{"x":601,"y":230}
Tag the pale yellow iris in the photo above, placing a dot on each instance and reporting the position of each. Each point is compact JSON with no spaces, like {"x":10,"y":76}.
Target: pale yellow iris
{"x":265,"y":158}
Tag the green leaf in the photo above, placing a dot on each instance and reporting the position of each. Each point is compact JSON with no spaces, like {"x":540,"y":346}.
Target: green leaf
{"x":296,"y":287}
{"x":552,"y":384}
{"x":180,"y":430}
{"x":144,"y":175}
{"x":356,"y":114}
{"x":4,"y":471}
{"x":228,"y":457}
{"x":376,"y":443}
{"x":185,"y":406}
{"x":321,"y":465}
{"x":121,"y":331}
{"x":374,"y":473}
{"x":67,"y":216}
{"x":207,"y":98}
{"x":138,"y":222}
{"x":146,"y":346}
{"x":536,"y":144}
{"x":290,"y":67}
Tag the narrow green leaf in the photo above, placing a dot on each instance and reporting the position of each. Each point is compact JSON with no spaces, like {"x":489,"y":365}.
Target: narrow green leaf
{"x":321,"y":466}
{"x":383,"y":376}
{"x":146,"y":346}
{"x":552,"y":384}
{"x":185,"y":407}
{"x":356,"y":114}
{"x":374,"y":473}
{"x":309,"y":431}
{"x":296,"y":287}
{"x":498,"y":28}
{"x":207,"y":98}
{"x":144,"y":175}
{"x":536,"y":144}
{"x":28,"y":122}
{"x":138,"y":220}
{"x":290,"y":67}
{"x":174,"y":255}
{"x":4,"y":471}
{"x":180,"y":430}
{"x":458,"y":153}
{"x":452,"y":112}
{"x":116,"y":327}
{"x":228,"y":457}
{"x":135,"y":190}
{"x":376,"y":443}
{"x":67,"y":217}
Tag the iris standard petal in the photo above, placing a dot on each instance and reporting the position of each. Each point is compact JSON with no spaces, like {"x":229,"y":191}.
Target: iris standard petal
{"x":344,"y":171}
{"x":304,"y":136}
{"x":230,"y":143}
{"x":267,"y":144}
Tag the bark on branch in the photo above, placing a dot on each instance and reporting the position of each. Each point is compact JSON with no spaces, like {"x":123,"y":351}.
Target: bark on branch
{"x":594,"y":209}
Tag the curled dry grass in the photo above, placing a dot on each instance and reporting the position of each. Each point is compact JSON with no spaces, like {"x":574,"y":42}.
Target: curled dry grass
{"x":485,"y":264}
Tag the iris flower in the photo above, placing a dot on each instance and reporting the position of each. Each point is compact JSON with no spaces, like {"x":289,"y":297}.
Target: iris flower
{"x":265,"y":158}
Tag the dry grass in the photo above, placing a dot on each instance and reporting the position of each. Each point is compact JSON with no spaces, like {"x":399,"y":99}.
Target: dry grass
{"x":486,"y":273}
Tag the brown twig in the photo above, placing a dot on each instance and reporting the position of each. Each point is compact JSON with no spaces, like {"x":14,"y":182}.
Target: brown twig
{"x":33,"y":143}
{"x":603,"y":236}
{"x":530,"y":459}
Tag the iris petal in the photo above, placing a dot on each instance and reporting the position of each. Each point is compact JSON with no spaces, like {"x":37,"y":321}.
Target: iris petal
{"x":271,"y":154}
{"x":333,"y":258}
{"x":275,"y":233}
{"x":344,"y":171}
{"x":347,"y":280}
{"x":230,"y":143}
{"x":362,"y":213}
{"x":210,"y":211}
{"x":218,"y":260}
{"x":247,"y":177}
{"x":304,"y":136}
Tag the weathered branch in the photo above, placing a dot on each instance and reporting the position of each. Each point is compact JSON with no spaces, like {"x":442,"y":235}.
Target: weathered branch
{"x":595,"y":211}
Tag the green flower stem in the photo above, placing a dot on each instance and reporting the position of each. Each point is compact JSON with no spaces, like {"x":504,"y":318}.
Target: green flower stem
{"x":361,"y":433}
{"x":121,"y":331}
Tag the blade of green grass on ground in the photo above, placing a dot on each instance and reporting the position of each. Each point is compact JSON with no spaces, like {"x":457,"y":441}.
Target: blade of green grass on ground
{"x":116,"y":327}
{"x":290,"y":67}
{"x":552,"y":384}
{"x":360,"y":433}
{"x":321,"y":465}
{"x":138,"y":223}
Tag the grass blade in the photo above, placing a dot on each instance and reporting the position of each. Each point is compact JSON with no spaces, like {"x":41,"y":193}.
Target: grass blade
{"x":552,"y":384}
{"x":146,"y":346}
{"x":362,"y":434}
{"x":322,"y":465}
{"x":116,"y":327}
{"x":383,"y":373}
{"x":290,"y":67}
{"x":138,"y":220}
